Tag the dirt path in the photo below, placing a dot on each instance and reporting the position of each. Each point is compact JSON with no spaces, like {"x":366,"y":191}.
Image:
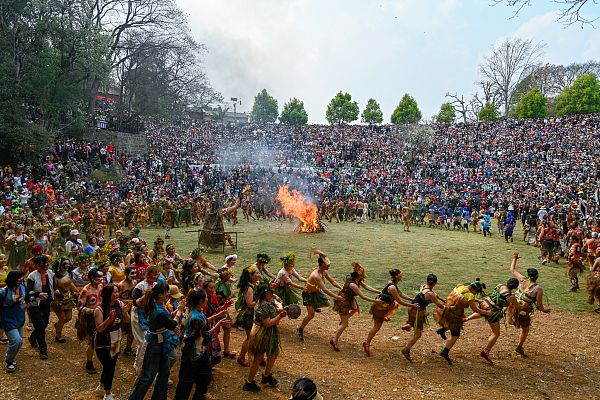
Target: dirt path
{"x":564,"y":360}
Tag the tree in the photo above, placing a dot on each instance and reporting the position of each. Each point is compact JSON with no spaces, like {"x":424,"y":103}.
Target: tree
{"x":372,"y":113}
{"x":447,"y":114}
{"x":569,"y":14}
{"x":532,"y":104}
{"x":407,"y":111}
{"x":583,"y":97}
{"x":264,"y":108}
{"x":341,"y":109}
{"x":460,"y":105}
{"x":505,"y":64}
{"x":488,"y":112}
{"x":293,"y":113}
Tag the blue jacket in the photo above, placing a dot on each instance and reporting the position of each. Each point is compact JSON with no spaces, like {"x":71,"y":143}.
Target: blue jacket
{"x":12,"y":310}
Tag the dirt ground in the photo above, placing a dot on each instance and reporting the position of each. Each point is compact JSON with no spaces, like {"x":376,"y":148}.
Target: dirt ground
{"x":563,"y":362}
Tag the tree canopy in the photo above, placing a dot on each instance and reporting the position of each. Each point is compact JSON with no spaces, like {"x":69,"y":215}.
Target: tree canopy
{"x":265,"y":108}
{"x":341,"y":109}
{"x":293,"y":113}
{"x":447,"y":114}
{"x":489,"y":112}
{"x":372,"y":113}
{"x":533,"y":104}
{"x":583,"y":97}
{"x":407,"y":111}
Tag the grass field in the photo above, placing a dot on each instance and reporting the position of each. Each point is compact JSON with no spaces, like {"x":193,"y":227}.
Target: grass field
{"x":452,"y":255}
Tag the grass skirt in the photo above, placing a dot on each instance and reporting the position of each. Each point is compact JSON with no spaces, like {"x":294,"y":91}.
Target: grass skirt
{"x":416,"y":318}
{"x":346,"y":306}
{"x":314,"y":299}
{"x":575,"y":267}
{"x":520,"y":318}
{"x":287,"y":295}
{"x":593,"y":287}
{"x":450,"y":319}
{"x":264,"y":340}
{"x":244,"y":319}
{"x":381,"y":310}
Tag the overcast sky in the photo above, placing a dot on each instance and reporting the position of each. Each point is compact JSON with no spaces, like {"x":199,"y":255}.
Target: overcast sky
{"x":311,"y":49}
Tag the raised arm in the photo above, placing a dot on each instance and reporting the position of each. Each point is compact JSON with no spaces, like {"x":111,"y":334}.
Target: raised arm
{"x":332,"y":281}
{"x":513,"y":267}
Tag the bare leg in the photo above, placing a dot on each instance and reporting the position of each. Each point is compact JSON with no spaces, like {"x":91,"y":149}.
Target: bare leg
{"x":245,"y":346}
{"x":493,"y":337}
{"x":254,"y":368}
{"x":342,"y":327}
{"x":376,"y":327}
{"x":270,"y":364}
{"x":309,"y":316}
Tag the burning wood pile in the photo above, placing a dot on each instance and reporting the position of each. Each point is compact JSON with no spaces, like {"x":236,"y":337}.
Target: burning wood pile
{"x":296,"y":205}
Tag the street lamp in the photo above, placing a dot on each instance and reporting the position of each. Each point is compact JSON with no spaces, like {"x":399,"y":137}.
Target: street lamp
{"x":235,"y":102}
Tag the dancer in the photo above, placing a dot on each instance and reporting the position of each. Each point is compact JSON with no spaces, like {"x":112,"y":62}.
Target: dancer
{"x":109,"y":316}
{"x":245,"y":306}
{"x":349,"y":306}
{"x":451,"y":316}
{"x":126,"y":287}
{"x":264,"y":338}
{"x":391,"y":297}
{"x":500,"y":298}
{"x":66,"y":297}
{"x":285,"y":286}
{"x":156,"y":357}
{"x":593,"y":284}
{"x":40,"y":291}
{"x":195,"y":366}
{"x":12,"y":316}
{"x":262,"y":259}
{"x":575,"y":263}
{"x":86,"y":304}
{"x":416,"y":318}
{"x":312,"y":295}
{"x":528,"y":294}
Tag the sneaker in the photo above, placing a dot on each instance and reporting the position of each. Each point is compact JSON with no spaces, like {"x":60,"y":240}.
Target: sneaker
{"x":109,"y":397}
{"x":170,"y":382}
{"x":60,"y":340}
{"x":89,"y":368}
{"x":269,"y":380}
{"x":99,"y":389}
{"x":573,"y":289}
{"x":597,"y":310}
{"x":544,"y":261}
{"x":406,"y":353}
{"x":521,"y":351}
{"x":128,"y":352}
{"x":10,"y":368}
{"x":251,"y":387}
{"x":486,"y":356}
{"x":43,"y":356}
{"x":317,"y":310}
{"x":446,"y":357}
{"x":300,"y":333}
{"x":3,"y":340}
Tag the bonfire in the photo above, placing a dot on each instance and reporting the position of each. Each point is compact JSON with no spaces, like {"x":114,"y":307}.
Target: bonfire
{"x":296,"y":205}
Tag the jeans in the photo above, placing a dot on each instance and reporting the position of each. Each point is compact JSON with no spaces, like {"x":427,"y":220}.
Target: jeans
{"x":15,"y":340}
{"x":39,"y":318}
{"x":156,"y":361}
{"x":193,"y":372}
{"x":109,"y":364}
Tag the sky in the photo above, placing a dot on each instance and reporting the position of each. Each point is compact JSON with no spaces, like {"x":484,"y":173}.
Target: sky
{"x":312,"y":49}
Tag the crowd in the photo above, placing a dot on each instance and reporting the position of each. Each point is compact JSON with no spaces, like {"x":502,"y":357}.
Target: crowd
{"x":543,"y":173}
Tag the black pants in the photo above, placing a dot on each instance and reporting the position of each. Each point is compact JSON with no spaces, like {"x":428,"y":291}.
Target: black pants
{"x":193,"y":372}
{"x":486,"y":231}
{"x":39,"y":318}
{"x":108,"y":367}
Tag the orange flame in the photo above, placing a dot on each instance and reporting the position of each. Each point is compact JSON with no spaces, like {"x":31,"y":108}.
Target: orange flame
{"x":295,"y":205}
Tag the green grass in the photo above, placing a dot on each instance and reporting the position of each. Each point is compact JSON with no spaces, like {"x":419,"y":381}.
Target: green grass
{"x":454,"y":257}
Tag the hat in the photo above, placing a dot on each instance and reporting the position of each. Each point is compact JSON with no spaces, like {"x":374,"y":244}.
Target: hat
{"x":263,"y":258}
{"x":174,"y":292}
{"x":74,"y":232}
{"x":119,"y":231}
{"x":135,"y":240}
{"x":231,"y":257}
{"x":196,"y":276}
{"x":169,"y":260}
